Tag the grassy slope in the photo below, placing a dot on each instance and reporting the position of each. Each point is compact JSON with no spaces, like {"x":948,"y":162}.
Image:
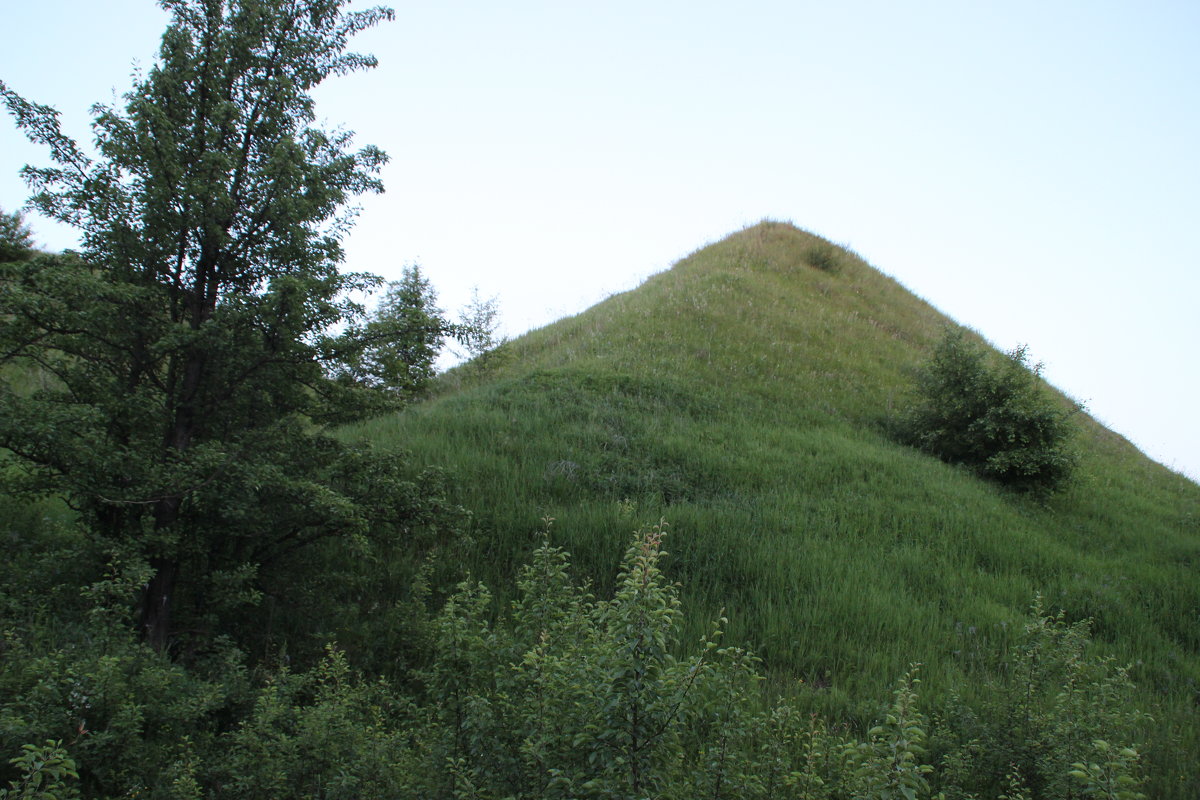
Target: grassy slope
{"x":741,"y":396}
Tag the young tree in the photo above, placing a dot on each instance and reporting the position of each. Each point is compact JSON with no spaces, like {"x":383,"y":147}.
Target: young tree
{"x":16,"y":240}
{"x":400,"y":340}
{"x":480,"y":325}
{"x":189,"y":342}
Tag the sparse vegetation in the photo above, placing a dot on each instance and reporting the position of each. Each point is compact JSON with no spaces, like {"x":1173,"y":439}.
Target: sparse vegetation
{"x":481,"y":321}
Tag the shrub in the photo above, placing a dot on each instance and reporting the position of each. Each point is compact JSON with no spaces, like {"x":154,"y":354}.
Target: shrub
{"x":44,"y":771}
{"x":824,"y":256}
{"x":995,"y":418}
{"x":1054,"y":721}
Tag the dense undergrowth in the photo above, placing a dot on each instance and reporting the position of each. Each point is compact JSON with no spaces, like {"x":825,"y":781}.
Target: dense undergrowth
{"x":566,"y":694}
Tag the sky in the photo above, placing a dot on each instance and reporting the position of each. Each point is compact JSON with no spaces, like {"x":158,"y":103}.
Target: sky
{"x":1031,"y":168}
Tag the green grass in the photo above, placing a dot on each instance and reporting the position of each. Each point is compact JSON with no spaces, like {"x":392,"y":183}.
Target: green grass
{"x":744,"y":396}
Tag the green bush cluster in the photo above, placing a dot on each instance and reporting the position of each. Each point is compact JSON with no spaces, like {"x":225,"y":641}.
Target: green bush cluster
{"x":824,"y":256}
{"x":565,"y":696}
{"x":1047,"y":707}
{"x":47,"y":773}
{"x":994,"y":417}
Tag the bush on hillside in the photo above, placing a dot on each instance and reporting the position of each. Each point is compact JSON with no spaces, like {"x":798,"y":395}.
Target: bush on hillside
{"x":995,"y":418}
{"x":824,"y":256}
{"x":1054,"y":721}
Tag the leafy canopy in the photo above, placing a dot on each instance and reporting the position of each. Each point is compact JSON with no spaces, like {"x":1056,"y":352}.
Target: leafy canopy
{"x":189,"y":347}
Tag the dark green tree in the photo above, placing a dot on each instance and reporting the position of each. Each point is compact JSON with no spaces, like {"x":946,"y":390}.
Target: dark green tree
{"x":992,"y":415}
{"x":16,"y":239}
{"x":189,"y":343}
{"x":396,"y":349}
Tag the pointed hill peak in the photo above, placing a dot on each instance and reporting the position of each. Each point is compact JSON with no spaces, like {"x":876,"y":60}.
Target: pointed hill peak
{"x":789,"y":318}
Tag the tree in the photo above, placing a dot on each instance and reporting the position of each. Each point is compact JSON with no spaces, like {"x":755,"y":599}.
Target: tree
{"x":16,"y":240}
{"x":480,"y":323}
{"x":995,"y":418}
{"x":189,"y":343}
{"x":400,"y":341}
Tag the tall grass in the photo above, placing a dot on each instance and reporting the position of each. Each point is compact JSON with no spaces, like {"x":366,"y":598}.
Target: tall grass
{"x":744,"y":396}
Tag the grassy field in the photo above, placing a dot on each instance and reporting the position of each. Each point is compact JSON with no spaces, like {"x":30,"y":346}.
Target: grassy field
{"x":744,"y":397}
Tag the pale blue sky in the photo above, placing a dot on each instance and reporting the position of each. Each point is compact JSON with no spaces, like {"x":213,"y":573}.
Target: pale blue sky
{"x":1031,"y":168}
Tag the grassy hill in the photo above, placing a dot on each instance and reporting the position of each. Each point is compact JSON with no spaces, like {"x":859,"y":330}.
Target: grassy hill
{"x":743,"y":395}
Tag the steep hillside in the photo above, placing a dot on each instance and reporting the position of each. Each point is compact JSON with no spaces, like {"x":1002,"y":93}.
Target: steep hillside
{"x":743,"y":396}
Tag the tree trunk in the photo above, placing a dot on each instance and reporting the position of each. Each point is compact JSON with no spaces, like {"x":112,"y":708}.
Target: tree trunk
{"x":155,"y":604}
{"x":156,"y":601}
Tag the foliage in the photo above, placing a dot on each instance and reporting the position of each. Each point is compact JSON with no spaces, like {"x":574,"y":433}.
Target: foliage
{"x":44,"y":774}
{"x":997,"y":420}
{"x":481,"y":325}
{"x":403,"y":337}
{"x":566,"y":695}
{"x":1048,"y":707}
{"x":326,"y":733}
{"x":1113,"y":775}
{"x":75,"y":671}
{"x":190,"y":343}
{"x":580,"y":697}
{"x":16,"y":239}
{"x":889,"y":764}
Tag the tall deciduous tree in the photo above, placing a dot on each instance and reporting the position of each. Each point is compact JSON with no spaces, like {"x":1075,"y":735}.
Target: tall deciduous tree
{"x":189,"y":341}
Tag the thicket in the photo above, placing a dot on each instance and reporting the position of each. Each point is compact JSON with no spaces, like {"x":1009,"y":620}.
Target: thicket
{"x":566,"y":695}
{"x":993,"y":416}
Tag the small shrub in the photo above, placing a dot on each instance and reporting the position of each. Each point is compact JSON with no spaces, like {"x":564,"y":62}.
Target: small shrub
{"x":824,"y":256}
{"x":995,"y":418}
